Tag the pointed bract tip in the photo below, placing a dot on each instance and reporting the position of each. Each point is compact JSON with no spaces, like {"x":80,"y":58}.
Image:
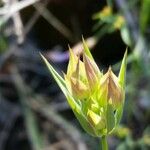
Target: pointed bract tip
{"x":125,"y":56}
{"x":122,"y":73}
{"x":86,"y":50}
{"x":126,"y":52}
{"x":109,"y":69}
{"x":109,"y":72}
{"x":69,"y":46}
{"x":70,"y":49}
{"x":82,"y":37}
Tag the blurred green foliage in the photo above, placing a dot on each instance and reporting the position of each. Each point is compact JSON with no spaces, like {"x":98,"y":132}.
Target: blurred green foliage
{"x":144,"y":15}
{"x":3,"y":43}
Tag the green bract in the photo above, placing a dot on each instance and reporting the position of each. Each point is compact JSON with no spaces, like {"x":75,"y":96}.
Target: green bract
{"x":96,"y":99}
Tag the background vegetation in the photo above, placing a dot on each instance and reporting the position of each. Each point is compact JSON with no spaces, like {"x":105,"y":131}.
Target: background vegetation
{"x":33,"y":112}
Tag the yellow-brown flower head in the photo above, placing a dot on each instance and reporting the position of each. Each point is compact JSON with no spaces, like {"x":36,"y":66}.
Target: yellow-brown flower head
{"x":82,"y":77}
{"x":119,"y":22}
{"x":97,"y":100}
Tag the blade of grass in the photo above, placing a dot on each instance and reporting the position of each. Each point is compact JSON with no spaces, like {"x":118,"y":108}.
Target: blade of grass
{"x":29,"y":116}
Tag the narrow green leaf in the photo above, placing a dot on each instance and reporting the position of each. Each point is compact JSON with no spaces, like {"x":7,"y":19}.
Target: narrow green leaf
{"x":60,"y":81}
{"x":32,"y":129}
{"x":122,"y":73}
{"x":118,"y":114}
{"x":110,"y":118}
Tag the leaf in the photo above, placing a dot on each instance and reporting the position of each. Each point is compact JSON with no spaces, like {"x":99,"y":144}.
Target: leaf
{"x":103,"y":96}
{"x":32,"y":129}
{"x":110,"y":118}
{"x":60,"y":81}
{"x":122,"y":73}
{"x":121,"y":77}
{"x":118,"y":114}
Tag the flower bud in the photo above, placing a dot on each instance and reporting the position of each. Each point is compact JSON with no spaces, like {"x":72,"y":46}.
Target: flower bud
{"x":92,"y":72}
{"x":96,"y":120}
{"x":79,"y":89}
{"x":92,"y":96}
{"x":76,"y":79}
{"x":114,"y":92}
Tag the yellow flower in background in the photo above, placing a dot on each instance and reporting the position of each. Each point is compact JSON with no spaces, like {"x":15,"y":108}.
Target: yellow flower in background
{"x":119,"y":22}
{"x":96,"y":99}
{"x":105,"y":12}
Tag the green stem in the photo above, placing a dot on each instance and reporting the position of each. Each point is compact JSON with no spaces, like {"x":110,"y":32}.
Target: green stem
{"x":104,"y":143}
